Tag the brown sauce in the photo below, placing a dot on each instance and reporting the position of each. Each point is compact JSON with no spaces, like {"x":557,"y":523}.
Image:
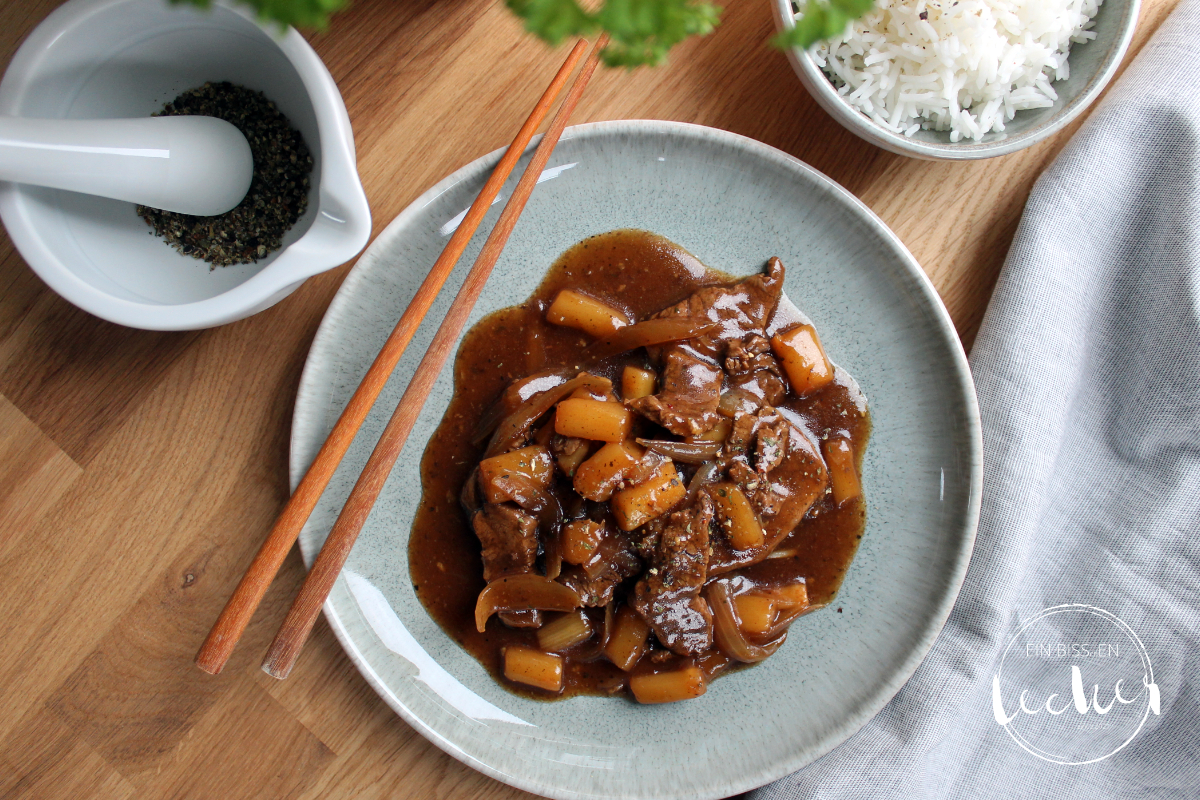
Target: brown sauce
{"x":642,"y":274}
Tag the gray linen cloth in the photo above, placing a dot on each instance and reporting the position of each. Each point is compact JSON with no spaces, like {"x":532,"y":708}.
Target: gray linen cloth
{"x":1088,"y":375}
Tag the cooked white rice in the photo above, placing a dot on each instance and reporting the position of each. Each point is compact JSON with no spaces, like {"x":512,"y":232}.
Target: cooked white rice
{"x":966,"y":66}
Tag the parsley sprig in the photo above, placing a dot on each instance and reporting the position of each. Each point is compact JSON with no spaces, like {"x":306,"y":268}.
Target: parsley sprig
{"x":301,"y":13}
{"x":823,"y":19}
{"x":641,"y":31}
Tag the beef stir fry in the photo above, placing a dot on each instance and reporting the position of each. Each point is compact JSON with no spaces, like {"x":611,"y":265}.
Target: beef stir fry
{"x":647,"y":473}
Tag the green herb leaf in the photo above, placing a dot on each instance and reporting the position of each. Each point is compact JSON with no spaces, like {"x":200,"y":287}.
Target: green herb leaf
{"x":553,"y":20}
{"x":301,"y":13}
{"x":822,"y":19}
{"x":643,"y":31}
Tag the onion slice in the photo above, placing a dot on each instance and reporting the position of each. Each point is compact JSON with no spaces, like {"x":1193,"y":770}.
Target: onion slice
{"x":488,"y":422}
{"x":552,"y":542}
{"x":728,"y":633}
{"x":546,"y":506}
{"x":683,"y":452}
{"x":513,"y":395}
{"x":786,"y":618}
{"x":707,"y":473}
{"x":609,"y":620}
{"x":514,"y":428}
{"x":523,"y":593}
{"x":527,"y":494}
{"x":649,"y":332}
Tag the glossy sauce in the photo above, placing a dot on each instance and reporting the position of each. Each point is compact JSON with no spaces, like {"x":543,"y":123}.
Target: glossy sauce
{"x":641,"y":273}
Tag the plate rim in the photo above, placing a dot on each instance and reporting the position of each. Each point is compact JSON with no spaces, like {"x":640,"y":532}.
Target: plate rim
{"x":963,"y":382}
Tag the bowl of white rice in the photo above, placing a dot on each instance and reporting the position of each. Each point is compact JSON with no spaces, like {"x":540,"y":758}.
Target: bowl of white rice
{"x":964,"y":79}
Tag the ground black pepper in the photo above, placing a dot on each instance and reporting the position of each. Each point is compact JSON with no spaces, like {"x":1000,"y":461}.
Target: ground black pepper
{"x":278,"y":192}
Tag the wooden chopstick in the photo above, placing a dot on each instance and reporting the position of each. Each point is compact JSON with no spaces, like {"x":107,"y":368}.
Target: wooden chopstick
{"x":228,"y":628}
{"x":303,"y":614}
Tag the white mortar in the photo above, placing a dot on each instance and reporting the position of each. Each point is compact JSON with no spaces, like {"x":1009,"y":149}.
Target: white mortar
{"x":126,"y":58}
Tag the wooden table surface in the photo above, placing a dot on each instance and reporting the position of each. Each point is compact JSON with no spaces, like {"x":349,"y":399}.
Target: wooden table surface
{"x":140,"y":471}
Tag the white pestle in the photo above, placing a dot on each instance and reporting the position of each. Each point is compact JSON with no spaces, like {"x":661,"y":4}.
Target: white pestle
{"x":192,"y":165}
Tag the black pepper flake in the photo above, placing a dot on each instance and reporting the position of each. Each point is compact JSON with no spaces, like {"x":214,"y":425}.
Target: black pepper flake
{"x":924,"y":15}
{"x":278,"y":194}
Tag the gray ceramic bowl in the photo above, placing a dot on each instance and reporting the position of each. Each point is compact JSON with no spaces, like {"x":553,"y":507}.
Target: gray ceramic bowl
{"x":1092,"y":67}
{"x":733,"y":202}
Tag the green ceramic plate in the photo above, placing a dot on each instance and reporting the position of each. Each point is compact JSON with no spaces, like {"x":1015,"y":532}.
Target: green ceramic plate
{"x":733,"y":202}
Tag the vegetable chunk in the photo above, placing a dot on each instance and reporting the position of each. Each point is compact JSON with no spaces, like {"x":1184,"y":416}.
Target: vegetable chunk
{"x":668,"y":687}
{"x":803,"y":359}
{"x":533,"y":667}
{"x":533,"y":463}
{"x":600,"y":389}
{"x":718,"y":433}
{"x":585,"y":418}
{"x":570,"y":453}
{"x":737,"y":517}
{"x":639,"y":504}
{"x":564,"y":632}
{"x":597,"y":477}
{"x":629,"y":638}
{"x":843,"y":477}
{"x":794,"y":595}
{"x":755,"y":612}
{"x":573,"y":309}
{"x":637,"y":382}
{"x":580,"y":540}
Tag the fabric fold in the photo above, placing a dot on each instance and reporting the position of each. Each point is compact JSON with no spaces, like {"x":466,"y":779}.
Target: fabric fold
{"x":1087,"y":369}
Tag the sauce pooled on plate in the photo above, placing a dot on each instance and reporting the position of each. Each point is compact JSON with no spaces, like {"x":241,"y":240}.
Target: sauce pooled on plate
{"x":646,"y":473}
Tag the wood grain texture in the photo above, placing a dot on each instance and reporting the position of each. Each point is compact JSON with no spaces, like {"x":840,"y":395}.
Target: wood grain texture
{"x":139,"y":472}
{"x":56,"y":344}
{"x":44,"y":758}
{"x":34,"y":473}
{"x":285,"y":648}
{"x":238,"y":611}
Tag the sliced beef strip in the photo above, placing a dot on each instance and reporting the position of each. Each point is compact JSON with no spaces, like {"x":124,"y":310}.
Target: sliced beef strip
{"x":668,"y":594}
{"x":650,"y":534}
{"x":691,"y":373}
{"x":618,"y":561}
{"x":749,"y":355}
{"x":753,"y":368}
{"x":741,"y":309}
{"x":800,"y":478}
{"x":758,"y":489}
{"x":687,"y":405}
{"x":741,"y":434}
{"x":509,"y":539}
{"x":762,"y":435}
{"x":770,"y":442}
{"x":772,"y":385}
{"x":780,"y":496}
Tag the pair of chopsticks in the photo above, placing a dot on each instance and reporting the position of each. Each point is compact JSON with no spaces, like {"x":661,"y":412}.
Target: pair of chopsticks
{"x":284,"y":650}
